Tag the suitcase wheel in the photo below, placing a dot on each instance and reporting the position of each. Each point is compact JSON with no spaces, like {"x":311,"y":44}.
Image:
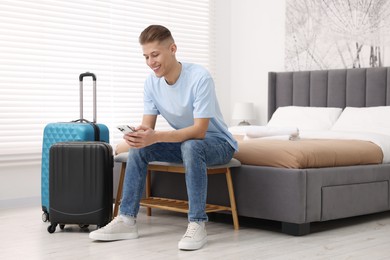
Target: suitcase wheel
{"x":45,"y":216}
{"x":62,"y":226}
{"x":52,"y":228}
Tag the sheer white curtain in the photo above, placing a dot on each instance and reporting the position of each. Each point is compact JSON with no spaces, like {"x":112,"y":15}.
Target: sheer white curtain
{"x":46,"y":44}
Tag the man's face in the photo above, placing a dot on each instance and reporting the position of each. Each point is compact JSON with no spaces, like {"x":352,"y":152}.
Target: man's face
{"x":160,"y":56}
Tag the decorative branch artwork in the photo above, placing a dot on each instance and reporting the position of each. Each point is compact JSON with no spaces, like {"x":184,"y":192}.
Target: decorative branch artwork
{"x":331,"y":34}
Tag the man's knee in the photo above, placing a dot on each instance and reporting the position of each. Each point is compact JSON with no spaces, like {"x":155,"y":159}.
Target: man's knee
{"x":191,"y":145}
{"x":192,"y":148}
{"x":135,"y":154}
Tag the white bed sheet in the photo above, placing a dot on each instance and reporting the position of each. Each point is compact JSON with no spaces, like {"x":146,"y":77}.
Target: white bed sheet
{"x":383,"y":141}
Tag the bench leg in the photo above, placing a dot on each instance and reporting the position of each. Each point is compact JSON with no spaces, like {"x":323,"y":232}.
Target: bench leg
{"x":119,"y":191}
{"x":148,"y":191}
{"x":232,"y":199}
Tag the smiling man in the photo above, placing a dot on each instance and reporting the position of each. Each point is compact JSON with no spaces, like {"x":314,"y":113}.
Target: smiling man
{"x":184,"y":94}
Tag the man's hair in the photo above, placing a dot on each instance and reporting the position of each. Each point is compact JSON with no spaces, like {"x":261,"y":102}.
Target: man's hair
{"x":155,"y":33}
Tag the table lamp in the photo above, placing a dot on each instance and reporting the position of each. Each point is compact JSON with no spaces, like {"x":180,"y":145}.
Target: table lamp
{"x":243,"y":111}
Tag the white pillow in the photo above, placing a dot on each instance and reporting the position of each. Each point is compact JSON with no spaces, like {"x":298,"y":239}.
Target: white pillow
{"x":305,"y":118}
{"x":364,"y":119}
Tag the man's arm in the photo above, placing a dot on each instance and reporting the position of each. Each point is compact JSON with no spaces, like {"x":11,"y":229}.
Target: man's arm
{"x":149,"y":121}
{"x":196,"y":131}
{"x":146,"y":135}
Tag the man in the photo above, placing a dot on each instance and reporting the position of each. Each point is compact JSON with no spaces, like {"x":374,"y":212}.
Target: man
{"x":184,"y":95}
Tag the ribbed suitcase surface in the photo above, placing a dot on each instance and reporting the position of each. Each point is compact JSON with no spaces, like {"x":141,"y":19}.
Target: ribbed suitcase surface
{"x":81,"y":183}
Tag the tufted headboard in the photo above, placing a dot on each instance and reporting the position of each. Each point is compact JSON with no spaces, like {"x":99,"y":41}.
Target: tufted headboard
{"x":329,"y":88}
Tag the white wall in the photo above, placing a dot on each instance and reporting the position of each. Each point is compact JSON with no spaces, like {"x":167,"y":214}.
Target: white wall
{"x":250,"y":43}
{"x":19,"y":185}
{"x":257,"y":47}
{"x":222,"y":77}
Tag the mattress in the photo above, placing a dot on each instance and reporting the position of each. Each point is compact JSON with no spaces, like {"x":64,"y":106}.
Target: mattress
{"x":308,"y":153}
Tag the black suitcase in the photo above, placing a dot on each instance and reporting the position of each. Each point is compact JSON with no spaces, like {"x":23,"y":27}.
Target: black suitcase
{"x":81,"y":184}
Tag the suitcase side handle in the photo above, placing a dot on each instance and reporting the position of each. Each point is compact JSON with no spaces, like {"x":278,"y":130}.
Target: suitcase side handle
{"x":81,"y":77}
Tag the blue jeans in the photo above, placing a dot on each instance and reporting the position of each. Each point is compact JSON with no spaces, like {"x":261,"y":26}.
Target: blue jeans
{"x":196,"y":155}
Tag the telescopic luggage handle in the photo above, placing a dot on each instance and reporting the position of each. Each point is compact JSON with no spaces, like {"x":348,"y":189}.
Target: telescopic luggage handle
{"x":81,"y":77}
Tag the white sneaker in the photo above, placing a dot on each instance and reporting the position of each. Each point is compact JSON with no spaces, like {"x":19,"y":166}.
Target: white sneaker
{"x":117,"y":229}
{"x":195,"y":236}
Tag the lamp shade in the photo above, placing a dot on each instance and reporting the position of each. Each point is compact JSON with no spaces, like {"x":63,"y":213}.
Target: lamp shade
{"x":243,"y":111}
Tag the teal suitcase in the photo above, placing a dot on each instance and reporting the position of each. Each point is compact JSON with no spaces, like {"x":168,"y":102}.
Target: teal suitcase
{"x":78,"y":130}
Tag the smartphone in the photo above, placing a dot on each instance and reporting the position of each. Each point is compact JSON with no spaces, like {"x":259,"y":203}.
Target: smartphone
{"x":126,"y":129}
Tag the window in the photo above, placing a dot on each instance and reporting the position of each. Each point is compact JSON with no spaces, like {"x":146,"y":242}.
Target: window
{"x":45,"y":45}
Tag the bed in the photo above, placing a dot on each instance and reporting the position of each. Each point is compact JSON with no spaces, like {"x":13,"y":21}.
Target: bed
{"x":299,"y":196}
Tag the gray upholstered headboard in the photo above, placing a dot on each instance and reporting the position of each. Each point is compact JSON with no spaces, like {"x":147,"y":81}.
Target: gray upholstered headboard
{"x":329,"y":88}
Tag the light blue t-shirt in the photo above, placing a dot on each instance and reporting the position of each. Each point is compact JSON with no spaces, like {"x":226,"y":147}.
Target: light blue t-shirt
{"x":192,"y":96}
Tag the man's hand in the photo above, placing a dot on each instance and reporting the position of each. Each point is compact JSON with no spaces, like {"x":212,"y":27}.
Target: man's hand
{"x":145,"y":134}
{"x":142,"y":137}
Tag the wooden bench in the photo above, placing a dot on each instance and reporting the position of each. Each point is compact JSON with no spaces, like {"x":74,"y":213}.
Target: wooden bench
{"x":173,"y":204}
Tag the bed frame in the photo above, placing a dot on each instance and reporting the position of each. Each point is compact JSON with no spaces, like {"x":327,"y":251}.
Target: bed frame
{"x":297,"y":197}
